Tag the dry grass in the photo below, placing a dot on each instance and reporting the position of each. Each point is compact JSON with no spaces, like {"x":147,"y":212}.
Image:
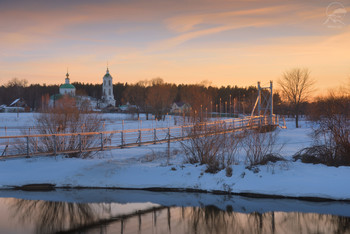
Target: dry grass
{"x":261,"y":148}
{"x":211,"y":146}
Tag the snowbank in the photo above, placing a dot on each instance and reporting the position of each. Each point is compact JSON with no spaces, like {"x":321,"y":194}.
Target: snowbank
{"x":145,"y":167}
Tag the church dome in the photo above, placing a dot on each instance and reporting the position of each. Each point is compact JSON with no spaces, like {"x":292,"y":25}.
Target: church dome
{"x":107,"y":75}
{"x":67,"y":86}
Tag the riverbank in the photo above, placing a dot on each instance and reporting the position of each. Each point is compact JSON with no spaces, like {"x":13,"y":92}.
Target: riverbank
{"x":148,"y":167}
{"x":277,"y":180}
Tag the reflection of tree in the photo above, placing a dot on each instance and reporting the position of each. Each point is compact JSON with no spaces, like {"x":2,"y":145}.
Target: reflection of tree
{"x":49,"y":216}
{"x":297,"y":222}
{"x":210,"y":219}
{"x":342,"y":224}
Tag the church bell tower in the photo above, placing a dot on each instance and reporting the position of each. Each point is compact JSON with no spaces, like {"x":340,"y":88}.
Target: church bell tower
{"x":107,"y":89}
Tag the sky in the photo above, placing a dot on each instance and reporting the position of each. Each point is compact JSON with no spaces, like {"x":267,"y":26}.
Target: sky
{"x":182,"y":41}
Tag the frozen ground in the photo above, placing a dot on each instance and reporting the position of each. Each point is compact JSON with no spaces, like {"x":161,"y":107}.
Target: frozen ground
{"x":146,"y":166}
{"x":11,"y":125}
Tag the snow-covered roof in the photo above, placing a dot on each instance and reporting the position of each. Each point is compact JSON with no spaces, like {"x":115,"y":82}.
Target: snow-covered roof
{"x":15,"y":101}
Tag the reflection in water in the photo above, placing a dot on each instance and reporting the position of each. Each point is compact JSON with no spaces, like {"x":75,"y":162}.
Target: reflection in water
{"x":51,"y":217}
{"x":210,"y":219}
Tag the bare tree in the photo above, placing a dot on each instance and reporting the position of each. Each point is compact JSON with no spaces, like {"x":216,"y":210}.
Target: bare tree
{"x":66,"y":117}
{"x":160,"y":96}
{"x":136,"y":94}
{"x":199,"y":99}
{"x":14,"y":82}
{"x":296,"y":85}
{"x":16,"y":87}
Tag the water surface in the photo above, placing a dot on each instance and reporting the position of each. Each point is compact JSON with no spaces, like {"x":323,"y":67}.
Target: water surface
{"x":127,"y":211}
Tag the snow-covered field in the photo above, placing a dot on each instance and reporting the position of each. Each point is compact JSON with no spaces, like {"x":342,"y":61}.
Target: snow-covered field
{"x":11,"y":125}
{"x":146,"y":167}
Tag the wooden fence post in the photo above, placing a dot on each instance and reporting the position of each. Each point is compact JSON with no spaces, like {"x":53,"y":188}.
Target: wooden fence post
{"x":154,"y":136}
{"x":54,"y":145}
{"x":260,"y":121}
{"x":101,"y":138}
{"x":80,"y":145}
{"x":36,"y":145}
{"x":168,"y":146}
{"x":122,"y":138}
{"x":139,"y":139}
{"x":27,"y":146}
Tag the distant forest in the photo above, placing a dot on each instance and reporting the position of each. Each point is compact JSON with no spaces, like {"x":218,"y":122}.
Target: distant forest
{"x":145,"y":93}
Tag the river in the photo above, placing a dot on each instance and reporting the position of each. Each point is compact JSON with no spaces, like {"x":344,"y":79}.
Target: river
{"x":136,"y":211}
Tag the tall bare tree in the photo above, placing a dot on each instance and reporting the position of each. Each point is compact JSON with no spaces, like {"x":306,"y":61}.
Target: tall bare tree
{"x":136,"y":94}
{"x":160,"y":96}
{"x":297,"y":86}
{"x":199,"y":99}
{"x":17,"y":87}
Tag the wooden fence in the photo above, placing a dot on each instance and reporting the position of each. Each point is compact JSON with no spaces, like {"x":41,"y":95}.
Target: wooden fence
{"x":67,"y":143}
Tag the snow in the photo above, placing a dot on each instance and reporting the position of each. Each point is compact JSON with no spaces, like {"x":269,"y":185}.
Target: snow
{"x":146,"y":167}
{"x":14,"y":102}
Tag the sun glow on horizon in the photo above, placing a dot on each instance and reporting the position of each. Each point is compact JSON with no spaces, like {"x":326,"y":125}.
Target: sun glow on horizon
{"x":227,"y":43}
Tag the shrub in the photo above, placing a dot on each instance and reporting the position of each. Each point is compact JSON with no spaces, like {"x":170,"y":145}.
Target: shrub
{"x":229,"y":171}
{"x":211,"y":145}
{"x":320,"y":154}
{"x":271,"y":158}
{"x":66,"y":117}
{"x":332,"y":132}
{"x":260,"y":147}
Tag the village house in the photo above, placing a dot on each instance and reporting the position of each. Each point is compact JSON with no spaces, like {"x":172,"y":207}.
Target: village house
{"x":180,"y":108}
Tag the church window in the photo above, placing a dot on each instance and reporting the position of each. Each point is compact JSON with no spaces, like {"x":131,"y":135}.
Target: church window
{"x":109,"y":82}
{"x":110,"y":92}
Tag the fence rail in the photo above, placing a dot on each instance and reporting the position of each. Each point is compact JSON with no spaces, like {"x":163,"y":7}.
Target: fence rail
{"x":53,"y":144}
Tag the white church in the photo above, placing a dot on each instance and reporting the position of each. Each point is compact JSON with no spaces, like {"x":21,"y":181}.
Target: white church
{"x":107,"y":91}
{"x":107,"y":99}
{"x":67,"y":88}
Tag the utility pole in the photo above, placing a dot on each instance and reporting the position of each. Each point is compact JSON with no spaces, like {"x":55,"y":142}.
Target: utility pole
{"x":259,"y":99}
{"x":230,"y":105}
{"x":271,"y":100}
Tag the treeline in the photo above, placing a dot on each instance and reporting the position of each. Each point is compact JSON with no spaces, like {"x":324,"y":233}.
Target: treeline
{"x":32,"y":94}
{"x":154,"y":96}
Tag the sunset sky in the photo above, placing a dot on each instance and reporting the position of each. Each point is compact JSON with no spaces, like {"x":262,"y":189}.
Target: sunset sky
{"x":182,"y":41}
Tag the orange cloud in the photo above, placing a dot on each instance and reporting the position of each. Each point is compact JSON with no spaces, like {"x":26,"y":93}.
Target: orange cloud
{"x":195,"y":26}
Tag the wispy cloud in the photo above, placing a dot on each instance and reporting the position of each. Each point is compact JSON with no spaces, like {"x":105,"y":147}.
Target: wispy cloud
{"x":188,"y":27}
{"x":184,"y":23}
{"x":238,"y":41}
